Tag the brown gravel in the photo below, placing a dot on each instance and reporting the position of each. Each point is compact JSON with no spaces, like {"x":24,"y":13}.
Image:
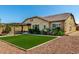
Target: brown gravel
{"x":63,"y":45}
{"x":74,"y":33}
{"x":8,"y":49}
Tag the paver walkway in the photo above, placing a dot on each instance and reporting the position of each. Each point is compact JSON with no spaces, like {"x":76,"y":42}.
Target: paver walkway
{"x":8,"y":49}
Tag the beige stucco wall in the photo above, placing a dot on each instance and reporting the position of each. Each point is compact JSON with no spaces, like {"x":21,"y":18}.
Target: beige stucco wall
{"x":37,"y":21}
{"x":17,"y":28}
{"x":1,"y":28}
{"x":69,"y":25}
{"x":12,"y":30}
{"x":25,"y":28}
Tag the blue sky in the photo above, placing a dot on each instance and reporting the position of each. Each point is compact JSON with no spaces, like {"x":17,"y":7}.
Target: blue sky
{"x":17,"y":13}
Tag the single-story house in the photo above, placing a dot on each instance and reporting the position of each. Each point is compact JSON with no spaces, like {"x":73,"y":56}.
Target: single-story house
{"x":65,"y":21}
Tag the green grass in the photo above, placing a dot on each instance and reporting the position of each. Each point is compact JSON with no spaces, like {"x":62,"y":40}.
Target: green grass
{"x":26,"y":41}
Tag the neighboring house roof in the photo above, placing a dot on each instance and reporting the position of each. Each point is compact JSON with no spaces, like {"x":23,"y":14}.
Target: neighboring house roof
{"x":58,"y":17}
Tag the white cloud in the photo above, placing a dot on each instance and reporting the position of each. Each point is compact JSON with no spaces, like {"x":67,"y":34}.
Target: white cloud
{"x":77,"y":21}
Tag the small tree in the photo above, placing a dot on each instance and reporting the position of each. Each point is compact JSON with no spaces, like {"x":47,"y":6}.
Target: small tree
{"x":58,"y":31}
{"x":7,"y":29}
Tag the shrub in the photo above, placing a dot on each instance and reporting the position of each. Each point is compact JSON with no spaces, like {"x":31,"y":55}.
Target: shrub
{"x":34,"y":31}
{"x":58,"y":31}
{"x":31,"y":31}
{"x":7,"y":29}
{"x":46,"y":31}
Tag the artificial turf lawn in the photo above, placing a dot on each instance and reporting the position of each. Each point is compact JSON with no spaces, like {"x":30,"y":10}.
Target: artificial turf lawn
{"x":26,"y":41}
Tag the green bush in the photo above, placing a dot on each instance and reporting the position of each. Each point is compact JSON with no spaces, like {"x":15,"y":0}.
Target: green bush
{"x":31,"y":30}
{"x":58,"y":31}
{"x":34,"y":31}
{"x":7,"y":29}
{"x":46,"y":31}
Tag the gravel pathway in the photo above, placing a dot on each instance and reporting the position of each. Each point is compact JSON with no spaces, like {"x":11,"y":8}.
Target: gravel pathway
{"x":74,"y":33}
{"x":8,"y":49}
{"x":63,"y":45}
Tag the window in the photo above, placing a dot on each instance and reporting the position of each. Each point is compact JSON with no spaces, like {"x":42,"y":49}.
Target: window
{"x":55,"y":25}
{"x":44,"y":26}
{"x":35,"y":26}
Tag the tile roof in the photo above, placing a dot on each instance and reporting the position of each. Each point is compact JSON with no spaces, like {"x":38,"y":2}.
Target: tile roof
{"x":57,"y":17}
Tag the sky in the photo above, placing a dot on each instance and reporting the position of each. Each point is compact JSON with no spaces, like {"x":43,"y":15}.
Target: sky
{"x":18,"y":13}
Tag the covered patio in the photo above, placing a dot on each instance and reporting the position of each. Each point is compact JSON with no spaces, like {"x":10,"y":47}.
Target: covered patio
{"x":19,"y":28}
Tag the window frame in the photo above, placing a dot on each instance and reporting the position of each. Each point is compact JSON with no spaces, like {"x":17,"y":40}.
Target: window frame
{"x":44,"y":26}
{"x":55,"y":25}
